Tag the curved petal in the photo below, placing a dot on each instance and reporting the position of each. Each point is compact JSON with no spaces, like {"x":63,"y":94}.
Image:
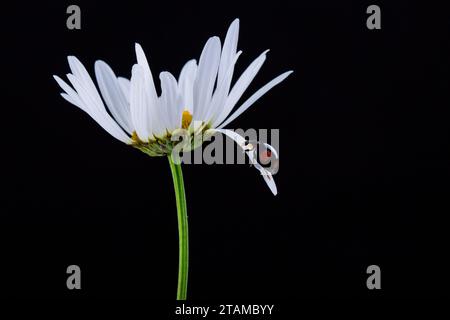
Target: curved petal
{"x":221,"y":93}
{"x":142,"y":61}
{"x":72,"y":100}
{"x":171,"y":102}
{"x":206,"y":76}
{"x":139,"y":108}
{"x":79,"y":71}
{"x":70,"y":95}
{"x":113,"y":95}
{"x":125,"y":86}
{"x":95,"y":108}
{"x":186,"y":84}
{"x":149,"y":89}
{"x":240,"y":86}
{"x":228,"y":54}
{"x":258,"y":94}
{"x":268,"y":178}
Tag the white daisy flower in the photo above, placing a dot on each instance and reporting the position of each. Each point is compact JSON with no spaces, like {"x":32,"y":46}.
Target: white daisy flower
{"x":203,"y":95}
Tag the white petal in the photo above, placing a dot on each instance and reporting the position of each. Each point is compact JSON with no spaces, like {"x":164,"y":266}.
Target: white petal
{"x":96,"y":109}
{"x":186,"y":84}
{"x":70,"y":93}
{"x":71,"y":100}
{"x":206,"y":76}
{"x":150,"y":91}
{"x":142,"y":61}
{"x":113,"y":95}
{"x":240,"y":86}
{"x":125,"y":86}
{"x":268,"y":178}
{"x":258,"y":94}
{"x":171,"y":100}
{"x":140,"y":113}
{"x":221,"y":93}
{"x":228,"y":54}
{"x":79,"y":71}
{"x":65,"y":86}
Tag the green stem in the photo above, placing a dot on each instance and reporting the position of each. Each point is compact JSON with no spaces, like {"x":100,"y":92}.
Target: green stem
{"x":183,"y":237}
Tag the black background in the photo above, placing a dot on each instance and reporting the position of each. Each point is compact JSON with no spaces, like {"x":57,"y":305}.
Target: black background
{"x":364,"y":167}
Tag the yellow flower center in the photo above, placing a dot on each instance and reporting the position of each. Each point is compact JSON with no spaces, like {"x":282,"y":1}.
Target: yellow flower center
{"x":186,"y":119}
{"x":135,"y":138}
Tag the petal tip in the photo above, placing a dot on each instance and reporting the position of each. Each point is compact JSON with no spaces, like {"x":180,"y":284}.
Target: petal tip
{"x":214,"y":39}
{"x":72,"y":59}
{"x":136,"y":69}
{"x":138,"y":49}
{"x":288,"y":73}
{"x":163,"y":74}
{"x":99,"y":63}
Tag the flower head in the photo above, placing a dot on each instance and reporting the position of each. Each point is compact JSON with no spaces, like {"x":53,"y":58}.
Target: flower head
{"x":200,"y":101}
